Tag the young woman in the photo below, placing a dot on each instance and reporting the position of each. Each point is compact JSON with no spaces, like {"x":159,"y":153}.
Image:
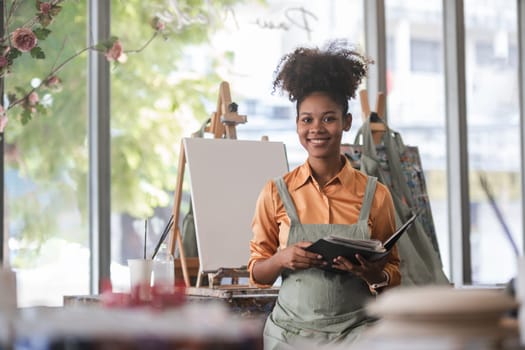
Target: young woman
{"x":323,"y":196}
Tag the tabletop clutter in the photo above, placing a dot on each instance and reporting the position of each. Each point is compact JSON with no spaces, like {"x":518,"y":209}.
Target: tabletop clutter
{"x":430,"y":317}
{"x":149,"y":316}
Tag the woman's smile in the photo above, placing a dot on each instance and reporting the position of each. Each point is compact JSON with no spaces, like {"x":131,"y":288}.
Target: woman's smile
{"x":318,"y":141}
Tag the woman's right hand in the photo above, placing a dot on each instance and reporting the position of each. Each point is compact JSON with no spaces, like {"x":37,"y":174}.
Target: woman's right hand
{"x":295,"y":257}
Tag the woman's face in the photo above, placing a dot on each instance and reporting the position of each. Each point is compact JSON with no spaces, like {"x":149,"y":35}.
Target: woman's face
{"x":320,"y":125}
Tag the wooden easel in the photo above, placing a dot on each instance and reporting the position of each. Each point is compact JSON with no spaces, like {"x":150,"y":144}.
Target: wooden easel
{"x":222,"y":125}
{"x":378,"y":129}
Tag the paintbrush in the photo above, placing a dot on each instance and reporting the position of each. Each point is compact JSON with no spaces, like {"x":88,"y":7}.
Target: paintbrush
{"x":163,"y":236}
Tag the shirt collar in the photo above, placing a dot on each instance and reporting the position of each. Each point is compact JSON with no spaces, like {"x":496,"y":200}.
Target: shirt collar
{"x":347,"y":174}
{"x":304,"y":175}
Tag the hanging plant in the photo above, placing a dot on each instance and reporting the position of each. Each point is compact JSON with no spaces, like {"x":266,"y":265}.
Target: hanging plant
{"x":28,"y":39}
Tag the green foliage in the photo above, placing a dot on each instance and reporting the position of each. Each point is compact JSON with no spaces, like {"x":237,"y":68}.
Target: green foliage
{"x":12,"y":54}
{"x":37,"y":53}
{"x":25,"y":116}
{"x":107,"y":44}
{"x":152,"y":94}
{"x":41,"y":33}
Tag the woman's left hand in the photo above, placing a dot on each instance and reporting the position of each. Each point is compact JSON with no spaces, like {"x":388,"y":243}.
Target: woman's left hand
{"x":370,"y":271}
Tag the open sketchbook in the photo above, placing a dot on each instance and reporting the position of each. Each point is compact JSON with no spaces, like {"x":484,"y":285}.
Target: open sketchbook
{"x":332,"y":246}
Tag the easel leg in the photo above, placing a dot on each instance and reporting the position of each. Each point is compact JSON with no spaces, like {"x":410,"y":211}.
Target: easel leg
{"x":183,"y":264}
{"x":176,"y":236}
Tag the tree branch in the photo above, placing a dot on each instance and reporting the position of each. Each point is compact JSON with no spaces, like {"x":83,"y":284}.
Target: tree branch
{"x":51,"y":73}
{"x":58,"y":68}
{"x":146,"y":44}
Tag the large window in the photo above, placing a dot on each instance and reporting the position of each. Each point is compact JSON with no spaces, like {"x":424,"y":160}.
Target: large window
{"x":46,"y":161}
{"x":493,"y":139}
{"x":426,"y":56}
{"x":416,"y":97}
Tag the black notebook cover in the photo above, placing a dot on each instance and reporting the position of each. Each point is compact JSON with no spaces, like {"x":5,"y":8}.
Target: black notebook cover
{"x":331,"y":249}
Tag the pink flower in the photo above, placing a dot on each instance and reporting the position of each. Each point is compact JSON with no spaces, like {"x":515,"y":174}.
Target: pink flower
{"x":30,"y":102}
{"x":160,"y":26}
{"x":157,"y":24}
{"x":24,"y":39}
{"x":33,"y":99}
{"x":114,"y":53}
{"x":3,"y":61}
{"x":45,"y":7}
{"x":52,"y":81}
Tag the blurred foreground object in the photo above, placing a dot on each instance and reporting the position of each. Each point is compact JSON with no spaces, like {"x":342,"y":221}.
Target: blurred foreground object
{"x":191,"y":326}
{"x":440,"y":317}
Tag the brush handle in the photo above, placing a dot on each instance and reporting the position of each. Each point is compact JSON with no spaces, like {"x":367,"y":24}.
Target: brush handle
{"x":163,"y":236}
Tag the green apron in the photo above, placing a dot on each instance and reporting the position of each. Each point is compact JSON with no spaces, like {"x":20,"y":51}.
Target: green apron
{"x":316,"y":306}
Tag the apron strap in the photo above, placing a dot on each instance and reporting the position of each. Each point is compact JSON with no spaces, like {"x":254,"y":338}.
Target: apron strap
{"x":368,"y":199}
{"x":287,"y":200}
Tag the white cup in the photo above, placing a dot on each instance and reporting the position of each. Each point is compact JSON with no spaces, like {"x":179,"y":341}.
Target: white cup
{"x":140,"y":275}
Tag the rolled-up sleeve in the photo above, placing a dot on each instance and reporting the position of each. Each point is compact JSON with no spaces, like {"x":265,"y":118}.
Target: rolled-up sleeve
{"x":383,"y":227}
{"x":265,"y":240}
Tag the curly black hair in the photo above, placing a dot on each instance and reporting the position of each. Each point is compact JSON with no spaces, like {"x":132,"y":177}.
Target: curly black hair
{"x":337,"y":70}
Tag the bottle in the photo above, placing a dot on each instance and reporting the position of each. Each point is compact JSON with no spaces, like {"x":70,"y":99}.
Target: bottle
{"x":164,"y":270}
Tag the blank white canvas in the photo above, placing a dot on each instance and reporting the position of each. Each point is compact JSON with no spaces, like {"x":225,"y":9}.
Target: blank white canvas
{"x":226,"y":178}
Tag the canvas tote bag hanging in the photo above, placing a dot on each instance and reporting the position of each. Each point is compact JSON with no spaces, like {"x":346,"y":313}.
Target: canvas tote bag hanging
{"x":420,"y":259}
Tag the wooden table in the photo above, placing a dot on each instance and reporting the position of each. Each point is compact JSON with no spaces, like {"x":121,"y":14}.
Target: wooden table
{"x":243,"y":300}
